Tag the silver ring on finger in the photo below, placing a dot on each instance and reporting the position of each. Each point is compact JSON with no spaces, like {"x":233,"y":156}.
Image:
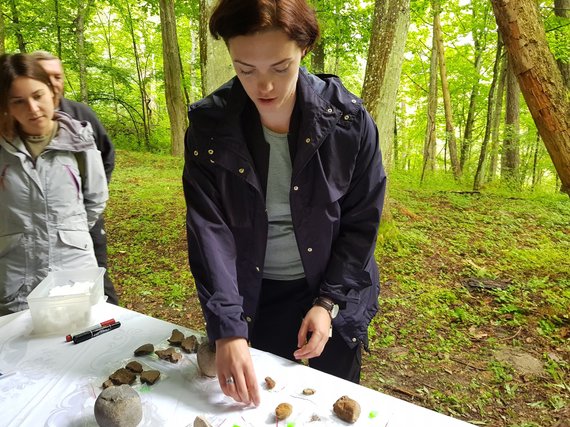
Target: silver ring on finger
{"x":230,"y":380}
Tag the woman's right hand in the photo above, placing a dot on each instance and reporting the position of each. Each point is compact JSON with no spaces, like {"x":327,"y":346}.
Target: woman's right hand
{"x":233,"y":361}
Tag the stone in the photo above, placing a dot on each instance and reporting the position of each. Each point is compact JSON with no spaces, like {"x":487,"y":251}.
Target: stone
{"x":206,"y":357}
{"x":134,"y":366}
{"x":347,"y":409}
{"x":150,"y":376}
{"x":118,"y":406}
{"x":144,"y":349}
{"x":308,"y":391}
{"x":523,"y":363}
{"x":176,"y":337}
{"x":269,"y":383}
{"x":283,"y":410}
{"x":169,"y":354}
{"x":122,"y":376}
{"x":190,"y":344}
{"x":200,"y":421}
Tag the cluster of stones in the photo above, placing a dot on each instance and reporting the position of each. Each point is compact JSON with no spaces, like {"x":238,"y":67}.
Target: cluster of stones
{"x":128,"y":375}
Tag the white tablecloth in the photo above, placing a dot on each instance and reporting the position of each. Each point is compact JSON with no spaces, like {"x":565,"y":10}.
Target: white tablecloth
{"x":55,"y":383}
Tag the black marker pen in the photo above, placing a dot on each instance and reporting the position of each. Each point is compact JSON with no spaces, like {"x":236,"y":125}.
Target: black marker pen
{"x":87,"y":335}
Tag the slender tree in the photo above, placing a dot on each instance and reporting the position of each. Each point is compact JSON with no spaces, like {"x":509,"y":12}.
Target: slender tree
{"x":17,"y":26}
{"x":491,"y":103}
{"x":539,"y":78}
{"x":429,"y":141}
{"x":510,"y":160}
{"x":497,"y":113}
{"x":2,"y":30}
{"x":449,"y":128}
{"x":172,"y":77}
{"x":562,"y":10}
{"x":480,"y":15}
{"x":83,"y":8}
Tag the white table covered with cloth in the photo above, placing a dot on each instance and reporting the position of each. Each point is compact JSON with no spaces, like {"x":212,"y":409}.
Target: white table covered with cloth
{"x":55,"y":383}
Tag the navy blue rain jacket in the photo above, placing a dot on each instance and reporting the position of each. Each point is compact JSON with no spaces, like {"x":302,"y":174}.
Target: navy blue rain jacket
{"x":337,"y":193}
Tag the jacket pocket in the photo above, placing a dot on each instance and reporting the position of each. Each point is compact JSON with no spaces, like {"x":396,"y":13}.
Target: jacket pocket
{"x":9,"y":242}
{"x":76,"y":239}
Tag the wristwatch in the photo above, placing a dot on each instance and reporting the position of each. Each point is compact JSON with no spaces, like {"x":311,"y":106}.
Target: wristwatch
{"x":328,"y":304}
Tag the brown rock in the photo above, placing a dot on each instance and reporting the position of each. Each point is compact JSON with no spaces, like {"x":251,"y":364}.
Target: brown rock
{"x":107,"y":383}
{"x":144,"y":349}
{"x":269,"y":383}
{"x":283,"y":410}
{"x":122,"y":376}
{"x":150,"y":376}
{"x":118,"y":406}
{"x":308,"y":392}
{"x":169,"y":354}
{"x":206,"y":358}
{"x":190,"y":344}
{"x":176,"y":337}
{"x":347,"y":409}
{"x":134,"y":367}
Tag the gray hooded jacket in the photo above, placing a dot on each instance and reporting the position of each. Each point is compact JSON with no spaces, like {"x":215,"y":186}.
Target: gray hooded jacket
{"x":47,"y":207}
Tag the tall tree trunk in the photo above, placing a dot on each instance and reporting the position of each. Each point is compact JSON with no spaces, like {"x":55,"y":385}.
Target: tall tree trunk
{"x":497,"y":114}
{"x":449,"y":129}
{"x":383,"y":69}
{"x":490,"y":114}
{"x":429,"y":142}
{"x":17,"y":26}
{"x":318,"y":57}
{"x":140,"y":77}
{"x":107,"y":27}
{"x":539,"y":78}
{"x":468,"y":133}
{"x":79,"y":21}
{"x":215,"y":62}
{"x":562,"y":10}
{"x":510,"y":159}
{"x":59,"y":49}
{"x":2,"y":31}
{"x":172,"y":77}
{"x":535,"y":173}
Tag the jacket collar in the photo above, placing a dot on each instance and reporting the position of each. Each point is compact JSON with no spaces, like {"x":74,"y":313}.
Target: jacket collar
{"x":71,"y":135}
{"x":322,"y":103}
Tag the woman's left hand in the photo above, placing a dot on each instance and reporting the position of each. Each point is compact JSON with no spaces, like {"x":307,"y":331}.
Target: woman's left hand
{"x":318,"y":323}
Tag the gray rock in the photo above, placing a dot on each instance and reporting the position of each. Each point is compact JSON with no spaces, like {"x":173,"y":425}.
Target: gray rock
{"x":118,"y":406}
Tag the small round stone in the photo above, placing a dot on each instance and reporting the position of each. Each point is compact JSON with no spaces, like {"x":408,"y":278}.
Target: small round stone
{"x":118,"y":406}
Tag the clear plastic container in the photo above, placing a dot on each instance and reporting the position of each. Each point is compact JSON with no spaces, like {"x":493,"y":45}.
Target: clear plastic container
{"x":64,"y":313}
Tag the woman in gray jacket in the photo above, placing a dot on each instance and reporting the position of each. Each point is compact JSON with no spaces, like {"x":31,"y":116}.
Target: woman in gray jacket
{"x":52,"y":183}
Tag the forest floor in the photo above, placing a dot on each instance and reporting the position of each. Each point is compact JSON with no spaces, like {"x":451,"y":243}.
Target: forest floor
{"x":474,"y":317}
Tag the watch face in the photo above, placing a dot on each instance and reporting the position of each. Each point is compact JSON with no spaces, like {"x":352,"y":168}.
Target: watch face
{"x":334,"y":311}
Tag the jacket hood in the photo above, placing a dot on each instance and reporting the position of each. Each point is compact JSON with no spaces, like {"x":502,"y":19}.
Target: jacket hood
{"x":72,"y":135}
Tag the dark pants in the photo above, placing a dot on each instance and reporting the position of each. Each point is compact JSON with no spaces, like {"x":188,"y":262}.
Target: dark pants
{"x":100,"y":246}
{"x":282,"y":307}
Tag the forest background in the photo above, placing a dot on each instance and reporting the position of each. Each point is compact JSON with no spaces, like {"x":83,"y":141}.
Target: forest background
{"x":475,"y":240}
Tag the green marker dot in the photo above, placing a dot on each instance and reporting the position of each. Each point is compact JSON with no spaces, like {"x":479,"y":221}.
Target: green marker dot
{"x":372,"y":414}
{"x":291,"y":424}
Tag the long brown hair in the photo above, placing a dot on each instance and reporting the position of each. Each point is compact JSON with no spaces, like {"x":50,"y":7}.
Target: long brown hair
{"x":296,"y":18}
{"x":13,"y":66}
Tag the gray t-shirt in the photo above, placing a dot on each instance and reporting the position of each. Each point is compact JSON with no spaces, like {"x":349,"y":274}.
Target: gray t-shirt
{"x":282,"y":259}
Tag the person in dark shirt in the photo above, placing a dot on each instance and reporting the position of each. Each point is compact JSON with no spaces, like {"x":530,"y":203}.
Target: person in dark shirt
{"x":284,"y":189}
{"x":54,"y":68}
